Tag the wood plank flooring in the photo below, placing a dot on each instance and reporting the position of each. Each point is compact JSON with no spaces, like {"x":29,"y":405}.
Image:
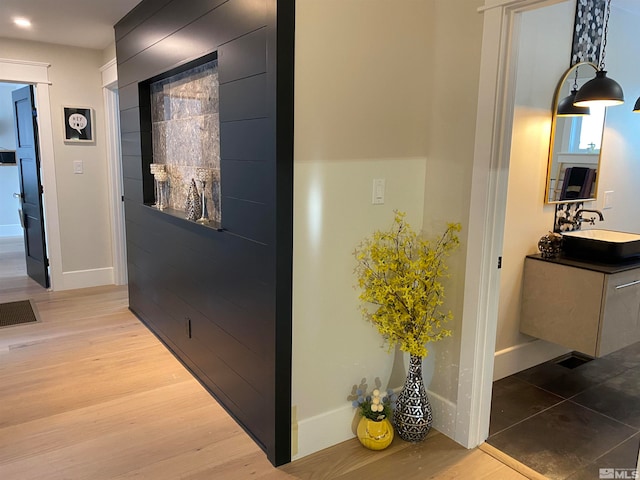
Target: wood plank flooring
{"x":14,"y":283}
{"x":90,"y":393}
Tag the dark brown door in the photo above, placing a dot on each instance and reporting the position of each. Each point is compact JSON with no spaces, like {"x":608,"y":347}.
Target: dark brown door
{"x":28,"y":159}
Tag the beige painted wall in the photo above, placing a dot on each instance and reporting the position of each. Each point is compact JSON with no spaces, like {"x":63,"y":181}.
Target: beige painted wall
{"x":545,"y":39}
{"x":620,"y":163}
{"x":109,"y":53}
{"x":360,"y":114}
{"x":454,"y":66}
{"x":367,"y":73}
{"x":82,"y":199}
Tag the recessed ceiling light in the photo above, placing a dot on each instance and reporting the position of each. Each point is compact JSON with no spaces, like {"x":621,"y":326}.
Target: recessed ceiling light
{"x":22,"y":22}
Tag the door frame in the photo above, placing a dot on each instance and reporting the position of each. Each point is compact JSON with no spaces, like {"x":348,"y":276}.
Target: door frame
{"x":30,"y":188}
{"x":109,"y":73}
{"x":37,"y":74}
{"x":487,"y":211}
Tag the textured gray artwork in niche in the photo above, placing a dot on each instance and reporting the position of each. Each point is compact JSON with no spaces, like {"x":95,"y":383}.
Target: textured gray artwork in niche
{"x":588,"y":31}
{"x":186,"y":132}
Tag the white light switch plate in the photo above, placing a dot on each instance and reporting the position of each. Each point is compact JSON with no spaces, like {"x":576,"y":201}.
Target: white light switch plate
{"x":378,"y":191}
{"x":77,"y":166}
{"x":608,"y":200}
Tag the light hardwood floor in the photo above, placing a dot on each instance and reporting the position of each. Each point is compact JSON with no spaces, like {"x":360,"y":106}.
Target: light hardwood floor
{"x":90,"y":393}
{"x":14,"y":283}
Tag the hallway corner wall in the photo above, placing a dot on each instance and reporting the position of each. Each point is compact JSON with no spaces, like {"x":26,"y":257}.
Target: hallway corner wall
{"x":83,"y":211}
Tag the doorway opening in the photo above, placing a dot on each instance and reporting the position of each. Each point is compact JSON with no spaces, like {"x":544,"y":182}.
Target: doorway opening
{"x":544,"y":402}
{"x":37,"y":74}
{"x":13,"y":252}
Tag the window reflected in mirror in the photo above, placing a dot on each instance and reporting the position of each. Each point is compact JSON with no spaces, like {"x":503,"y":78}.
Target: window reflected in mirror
{"x":586,"y":131}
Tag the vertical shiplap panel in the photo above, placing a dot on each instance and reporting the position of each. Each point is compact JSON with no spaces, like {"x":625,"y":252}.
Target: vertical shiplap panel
{"x":224,"y":282}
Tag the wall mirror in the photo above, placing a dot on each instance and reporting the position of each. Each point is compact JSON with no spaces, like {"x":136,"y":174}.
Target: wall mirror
{"x":576,"y":140}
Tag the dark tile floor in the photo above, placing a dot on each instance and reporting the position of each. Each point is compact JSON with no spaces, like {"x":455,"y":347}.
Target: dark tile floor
{"x":568,"y":423}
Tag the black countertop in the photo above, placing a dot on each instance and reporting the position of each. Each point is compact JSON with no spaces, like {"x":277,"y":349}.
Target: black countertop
{"x":608,"y":268}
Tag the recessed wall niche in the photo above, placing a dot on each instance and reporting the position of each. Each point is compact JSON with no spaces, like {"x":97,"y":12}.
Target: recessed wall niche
{"x":185,"y":131}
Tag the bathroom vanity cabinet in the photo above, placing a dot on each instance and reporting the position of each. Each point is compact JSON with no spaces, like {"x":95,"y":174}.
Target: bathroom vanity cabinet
{"x":589,"y":308}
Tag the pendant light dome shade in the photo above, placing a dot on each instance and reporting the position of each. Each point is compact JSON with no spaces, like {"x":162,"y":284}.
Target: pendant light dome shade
{"x":636,"y":107}
{"x":566,"y":108}
{"x":600,"y":90}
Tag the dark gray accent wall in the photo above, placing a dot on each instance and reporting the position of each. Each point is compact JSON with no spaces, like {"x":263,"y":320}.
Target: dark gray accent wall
{"x":220,"y":300}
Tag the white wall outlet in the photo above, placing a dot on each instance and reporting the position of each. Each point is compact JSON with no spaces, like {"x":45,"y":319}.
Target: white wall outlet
{"x":607,"y":202}
{"x":77,"y":166}
{"x":378,"y":191}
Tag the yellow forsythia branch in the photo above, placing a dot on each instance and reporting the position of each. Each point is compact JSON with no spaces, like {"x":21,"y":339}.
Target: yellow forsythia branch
{"x":399,"y":275}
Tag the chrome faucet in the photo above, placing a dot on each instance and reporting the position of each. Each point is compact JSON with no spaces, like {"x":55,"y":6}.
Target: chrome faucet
{"x":592,"y":220}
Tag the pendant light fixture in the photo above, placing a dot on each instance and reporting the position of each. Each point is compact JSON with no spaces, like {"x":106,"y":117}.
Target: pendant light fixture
{"x":566,"y":107}
{"x":636,"y":107}
{"x":601,"y":90}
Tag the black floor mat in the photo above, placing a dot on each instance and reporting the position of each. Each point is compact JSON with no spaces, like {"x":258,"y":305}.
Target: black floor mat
{"x":17,"y":313}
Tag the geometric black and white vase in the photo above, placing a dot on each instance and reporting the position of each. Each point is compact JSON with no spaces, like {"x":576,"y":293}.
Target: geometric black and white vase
{"x":192,"y":204}
{"x":412,"y":416}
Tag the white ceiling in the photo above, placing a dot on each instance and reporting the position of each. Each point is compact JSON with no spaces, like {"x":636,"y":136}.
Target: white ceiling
{"x":89,"y":23}
{"x":81,"y":23}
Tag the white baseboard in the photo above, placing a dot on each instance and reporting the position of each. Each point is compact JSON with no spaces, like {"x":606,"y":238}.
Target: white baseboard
{"x":330,"y":428}
{"x":525,"y":355}
{"x":444,"y":414}
{"x":11,"y":230}
{"x":86,"y":278}
{"x":324,"y":430}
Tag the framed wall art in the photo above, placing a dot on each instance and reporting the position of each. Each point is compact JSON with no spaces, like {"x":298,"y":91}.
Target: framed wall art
{"x":78,"y":124}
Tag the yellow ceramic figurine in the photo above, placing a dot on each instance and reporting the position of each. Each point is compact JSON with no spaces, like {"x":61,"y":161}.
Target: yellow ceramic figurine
{"x":375,"y":435}
{"x":374,"y":429}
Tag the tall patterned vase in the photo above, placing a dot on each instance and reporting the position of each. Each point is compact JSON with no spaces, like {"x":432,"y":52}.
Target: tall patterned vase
{"x":412,"y":416}
{"x":192,"y":205}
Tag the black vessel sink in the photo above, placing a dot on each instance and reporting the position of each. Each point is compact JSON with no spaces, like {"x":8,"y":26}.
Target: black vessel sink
{"x":606,"y":246}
